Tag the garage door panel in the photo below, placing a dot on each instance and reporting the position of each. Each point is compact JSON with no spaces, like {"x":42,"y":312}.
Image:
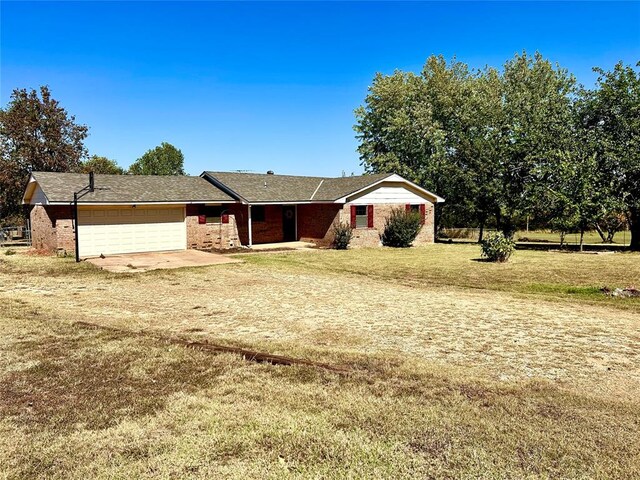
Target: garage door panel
{"x":129,"y":230}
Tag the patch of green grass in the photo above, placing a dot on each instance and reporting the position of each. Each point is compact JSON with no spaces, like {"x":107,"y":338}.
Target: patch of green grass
{"x":591,"y":293}
{"x":554,"y":275}
{"x":590,"y":237}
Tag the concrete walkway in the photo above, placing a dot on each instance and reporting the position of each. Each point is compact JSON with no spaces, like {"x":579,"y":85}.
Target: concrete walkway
{"x":142,"y":262}
{"x":283,"y":246}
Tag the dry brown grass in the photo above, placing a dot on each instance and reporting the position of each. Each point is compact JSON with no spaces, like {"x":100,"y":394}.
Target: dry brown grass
{"x":448,"y":381}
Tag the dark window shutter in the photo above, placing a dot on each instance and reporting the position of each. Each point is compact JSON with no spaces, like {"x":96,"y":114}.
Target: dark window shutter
{"x":353,"y":216}
{"x":408,"y":207}
{"x":422,"y":212}
{"x":370,"y":216}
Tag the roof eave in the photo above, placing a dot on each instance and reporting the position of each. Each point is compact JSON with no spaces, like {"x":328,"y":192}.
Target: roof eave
{"x":145,"y":202}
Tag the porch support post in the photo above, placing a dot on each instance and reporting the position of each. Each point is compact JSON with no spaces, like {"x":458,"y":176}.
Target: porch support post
{"x":249,"y":225}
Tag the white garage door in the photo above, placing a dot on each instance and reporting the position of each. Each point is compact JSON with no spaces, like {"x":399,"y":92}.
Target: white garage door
{"x":128,"y":230}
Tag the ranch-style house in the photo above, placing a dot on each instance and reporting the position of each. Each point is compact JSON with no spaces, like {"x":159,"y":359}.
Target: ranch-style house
{"x":117,"y":214}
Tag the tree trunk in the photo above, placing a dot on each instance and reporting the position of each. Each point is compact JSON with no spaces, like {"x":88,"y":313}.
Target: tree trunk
{"x":508,"y":228}
{"x":581,"y":239}
{"x":600,"y":232}
{"x":481,"y":233}
{"x":562,"y":234}
{"x":634,"y":226}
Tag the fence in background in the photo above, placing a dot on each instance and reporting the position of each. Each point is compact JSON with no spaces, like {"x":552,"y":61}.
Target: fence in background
{"x":538,"y":236}
{"x":471,"y":234}
{"x":15,"y":235}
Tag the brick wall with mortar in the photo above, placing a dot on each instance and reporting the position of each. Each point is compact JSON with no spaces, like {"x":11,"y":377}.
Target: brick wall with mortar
{"x":52,"y":228}
{"x":66,"y":235}
{"x":208,"y":236}
{"x":370,"y":237}
{"x":43,"y":234}
{"x":269,"y":231}
{"x":315,"y":222}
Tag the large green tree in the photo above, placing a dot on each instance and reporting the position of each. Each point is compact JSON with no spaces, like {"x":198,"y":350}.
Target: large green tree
{"x":165,"y":159}
{"x":98,"y":164}
{"x":486,"y":141}
{"x":536,"y":134}
{"x":36,"y":133}
{"x":400,"y":128}
{"x":613,"y":115}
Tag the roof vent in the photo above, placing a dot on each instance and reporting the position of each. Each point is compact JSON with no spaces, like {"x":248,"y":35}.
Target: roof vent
{"x":270,"y":172}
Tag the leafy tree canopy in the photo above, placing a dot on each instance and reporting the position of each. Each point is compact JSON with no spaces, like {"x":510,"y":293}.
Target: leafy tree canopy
{"x":165,"y":159}
{"x":36,"y":133}
{"x":98,"y":164}
{"x":612,"y":115}
{"x":489,"y":141}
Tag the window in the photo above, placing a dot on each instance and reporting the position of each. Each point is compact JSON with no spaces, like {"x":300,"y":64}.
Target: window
{"x":361,"y":216}
{"x":213,"y":214}
{"x":420,"y":209}
{"x":257,"y":213}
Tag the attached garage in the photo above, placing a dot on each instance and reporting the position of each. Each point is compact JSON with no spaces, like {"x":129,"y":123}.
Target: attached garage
{"x":122,"y":214}
{"x":128,"y":229}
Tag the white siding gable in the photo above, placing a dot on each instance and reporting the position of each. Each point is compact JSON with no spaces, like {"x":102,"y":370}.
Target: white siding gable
{"x":38,"y":197}
{"x":390,"y":193}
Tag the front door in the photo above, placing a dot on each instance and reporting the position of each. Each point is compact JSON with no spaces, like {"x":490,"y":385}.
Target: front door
{"x":289,"y":223}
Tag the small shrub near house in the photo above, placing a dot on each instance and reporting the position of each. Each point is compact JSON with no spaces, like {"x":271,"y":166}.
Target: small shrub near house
{"x":401,"y":228}
{"x":342,"y":233}
{"x":497,"y":248}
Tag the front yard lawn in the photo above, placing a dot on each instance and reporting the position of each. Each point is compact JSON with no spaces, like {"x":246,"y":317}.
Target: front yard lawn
{"x":457,"y":368}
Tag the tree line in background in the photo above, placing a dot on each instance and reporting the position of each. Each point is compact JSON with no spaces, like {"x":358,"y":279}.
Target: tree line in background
{"x":37,"y":134}
{"x":506,"y":146}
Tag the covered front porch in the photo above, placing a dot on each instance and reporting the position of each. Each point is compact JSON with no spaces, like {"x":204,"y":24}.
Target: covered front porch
{"x":268,"y":223}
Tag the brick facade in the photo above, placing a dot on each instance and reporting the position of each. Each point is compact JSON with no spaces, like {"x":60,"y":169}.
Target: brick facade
{"x":370,"y":237}
{"x":315,"y":222}
{"x":209,"y":236}
{"x":52,"y":228}
{"x":268,"y":231}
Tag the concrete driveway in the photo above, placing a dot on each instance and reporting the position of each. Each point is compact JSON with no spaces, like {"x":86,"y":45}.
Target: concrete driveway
{"x":142,"y":262}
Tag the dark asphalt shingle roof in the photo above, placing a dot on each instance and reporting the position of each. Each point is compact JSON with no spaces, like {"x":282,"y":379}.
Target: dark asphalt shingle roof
{"x":261,"y":187}
{"x":334,"y":188}
{"x":59,"y":187}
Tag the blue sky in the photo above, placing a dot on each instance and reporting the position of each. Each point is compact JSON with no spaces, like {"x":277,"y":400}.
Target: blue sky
{"x":259,"y":86}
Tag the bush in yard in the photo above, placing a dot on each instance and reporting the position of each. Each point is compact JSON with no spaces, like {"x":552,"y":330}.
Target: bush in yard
{"x":497,"y":248}
{"x":401,"y":228}
{"x":342,"y":232}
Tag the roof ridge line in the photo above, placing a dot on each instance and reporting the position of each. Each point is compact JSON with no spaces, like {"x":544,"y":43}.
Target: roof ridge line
{"x":317,"y":188}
